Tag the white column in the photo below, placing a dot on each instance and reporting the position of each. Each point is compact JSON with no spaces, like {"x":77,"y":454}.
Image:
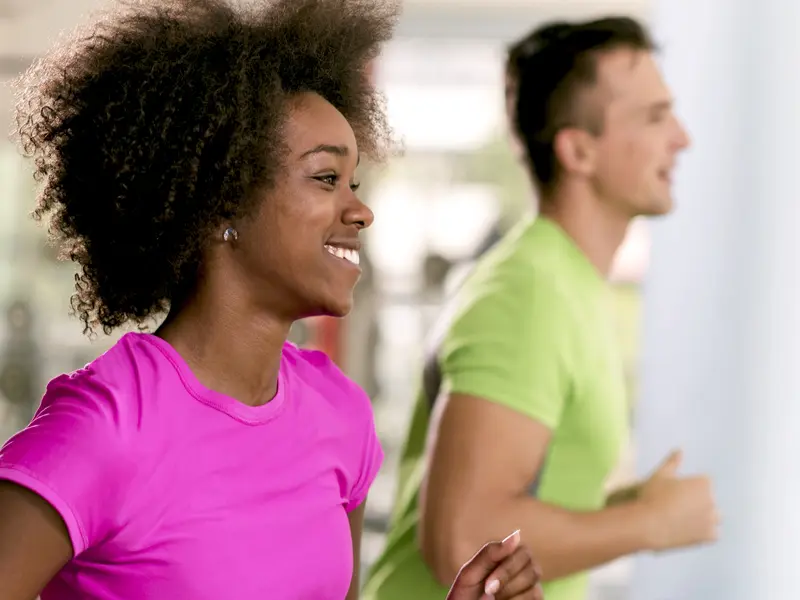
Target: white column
{"x":721,"y":348}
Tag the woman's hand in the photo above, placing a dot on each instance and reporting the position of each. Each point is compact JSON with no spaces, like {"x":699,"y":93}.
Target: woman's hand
{"x":499,"y":571}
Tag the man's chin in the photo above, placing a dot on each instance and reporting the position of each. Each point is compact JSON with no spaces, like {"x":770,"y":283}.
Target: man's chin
{"x":659,"y":208}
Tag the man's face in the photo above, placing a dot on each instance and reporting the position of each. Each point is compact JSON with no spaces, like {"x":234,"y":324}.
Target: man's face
{"x":641,"y":136}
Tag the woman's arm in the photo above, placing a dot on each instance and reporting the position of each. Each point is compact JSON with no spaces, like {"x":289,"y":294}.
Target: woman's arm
{"x":356,"y":517}
{"x":34,"y":543}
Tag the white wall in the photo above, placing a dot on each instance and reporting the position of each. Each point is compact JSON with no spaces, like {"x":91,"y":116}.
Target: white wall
{"x":28,"y":27}
{"x":722,"y":310}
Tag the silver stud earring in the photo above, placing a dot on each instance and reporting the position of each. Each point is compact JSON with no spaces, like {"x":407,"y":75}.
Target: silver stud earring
{"x":230,"y":234}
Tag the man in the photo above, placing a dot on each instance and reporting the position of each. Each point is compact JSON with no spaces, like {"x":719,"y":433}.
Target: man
{"x":523,"y":412}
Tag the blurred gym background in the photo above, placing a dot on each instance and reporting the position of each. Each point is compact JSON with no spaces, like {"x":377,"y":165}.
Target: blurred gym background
{"x":712,"y":371}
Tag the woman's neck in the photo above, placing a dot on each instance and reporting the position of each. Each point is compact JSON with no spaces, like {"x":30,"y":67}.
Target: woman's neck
{"x":230,"y":349}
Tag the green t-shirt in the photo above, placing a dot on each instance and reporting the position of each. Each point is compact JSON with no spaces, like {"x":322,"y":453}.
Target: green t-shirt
{"x":531,"y":329}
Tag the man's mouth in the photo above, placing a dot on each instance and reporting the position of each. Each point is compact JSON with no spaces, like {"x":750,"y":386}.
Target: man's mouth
{"x":347,"y":254}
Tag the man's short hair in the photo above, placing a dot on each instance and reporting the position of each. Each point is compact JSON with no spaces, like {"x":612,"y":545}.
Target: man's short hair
{"x":547,"y":70}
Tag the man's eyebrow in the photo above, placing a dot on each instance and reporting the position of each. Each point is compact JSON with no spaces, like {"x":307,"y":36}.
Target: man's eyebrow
{"x":660,"y":105}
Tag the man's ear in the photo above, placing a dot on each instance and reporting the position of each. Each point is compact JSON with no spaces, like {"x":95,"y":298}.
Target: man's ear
{"x":576,"y":151}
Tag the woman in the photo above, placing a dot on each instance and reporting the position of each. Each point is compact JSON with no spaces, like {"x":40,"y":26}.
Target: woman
{"x":200,"y":162}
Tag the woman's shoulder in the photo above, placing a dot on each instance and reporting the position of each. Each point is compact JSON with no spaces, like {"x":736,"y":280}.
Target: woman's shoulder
{"x":316,"y":369}
{"x":104,"y":389}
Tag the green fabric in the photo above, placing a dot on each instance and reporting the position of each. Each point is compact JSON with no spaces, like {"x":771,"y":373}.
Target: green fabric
{"x":532,"y":330}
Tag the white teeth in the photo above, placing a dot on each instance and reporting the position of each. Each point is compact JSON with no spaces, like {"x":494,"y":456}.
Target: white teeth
{"x":343,"y":253}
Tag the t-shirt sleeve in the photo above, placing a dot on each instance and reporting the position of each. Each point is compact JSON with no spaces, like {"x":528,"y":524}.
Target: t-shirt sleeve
{"x":72,"y":456}
{"x":370,"y":455}
{"x":511,"y":345}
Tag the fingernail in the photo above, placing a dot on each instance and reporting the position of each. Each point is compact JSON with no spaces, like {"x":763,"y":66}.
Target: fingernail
{"x":492,"y":586}
{"x":512,"y":539}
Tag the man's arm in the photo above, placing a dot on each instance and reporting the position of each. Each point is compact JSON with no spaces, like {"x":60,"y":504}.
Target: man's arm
{"x":506,"y":362}
{"x":356,"y":518}
{"x":484,"y":457}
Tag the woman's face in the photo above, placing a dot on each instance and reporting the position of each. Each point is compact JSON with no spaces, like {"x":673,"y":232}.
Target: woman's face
{"x":299,"y":253}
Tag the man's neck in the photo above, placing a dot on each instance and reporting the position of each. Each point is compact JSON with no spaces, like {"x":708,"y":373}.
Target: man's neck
{"x":598,"y":231}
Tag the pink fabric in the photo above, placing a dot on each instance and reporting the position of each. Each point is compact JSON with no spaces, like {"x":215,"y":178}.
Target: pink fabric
{"x":172,"y":491}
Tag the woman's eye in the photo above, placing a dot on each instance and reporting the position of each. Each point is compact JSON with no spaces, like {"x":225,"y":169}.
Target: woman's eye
{"x":329,"y":179}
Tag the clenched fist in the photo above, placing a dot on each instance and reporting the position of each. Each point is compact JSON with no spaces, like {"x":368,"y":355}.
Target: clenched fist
{"x":499,"y":571}
{"x":680,"y":510}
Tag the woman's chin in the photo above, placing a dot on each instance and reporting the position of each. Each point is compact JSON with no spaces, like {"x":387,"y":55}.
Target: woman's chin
{"x":336,"y":306}
{"x":340,"y":310}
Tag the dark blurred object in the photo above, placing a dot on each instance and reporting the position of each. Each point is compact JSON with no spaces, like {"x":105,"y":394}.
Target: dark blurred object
{"x":20,"y":361}
{"x":494,"y":235}
{"x":435,"y":270}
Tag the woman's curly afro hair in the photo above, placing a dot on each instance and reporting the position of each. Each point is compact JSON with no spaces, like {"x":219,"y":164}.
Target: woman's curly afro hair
{"x":164,"y":120}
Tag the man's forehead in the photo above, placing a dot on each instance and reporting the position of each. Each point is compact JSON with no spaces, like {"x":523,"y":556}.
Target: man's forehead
{"x":630,"y":75}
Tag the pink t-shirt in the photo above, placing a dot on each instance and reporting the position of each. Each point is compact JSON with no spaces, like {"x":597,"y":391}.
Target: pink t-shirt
{"x":172,"y":491}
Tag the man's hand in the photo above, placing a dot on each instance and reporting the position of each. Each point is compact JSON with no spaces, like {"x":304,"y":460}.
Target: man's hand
{"x":499,"y":571}
{"x":681,"y":510}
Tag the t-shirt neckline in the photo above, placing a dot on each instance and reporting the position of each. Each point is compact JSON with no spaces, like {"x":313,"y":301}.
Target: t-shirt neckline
{"x":572,"y":254}
{"x":250,"y":415}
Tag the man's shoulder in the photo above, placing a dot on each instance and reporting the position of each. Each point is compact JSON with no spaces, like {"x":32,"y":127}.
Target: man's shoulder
{"x":513,"y":285}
